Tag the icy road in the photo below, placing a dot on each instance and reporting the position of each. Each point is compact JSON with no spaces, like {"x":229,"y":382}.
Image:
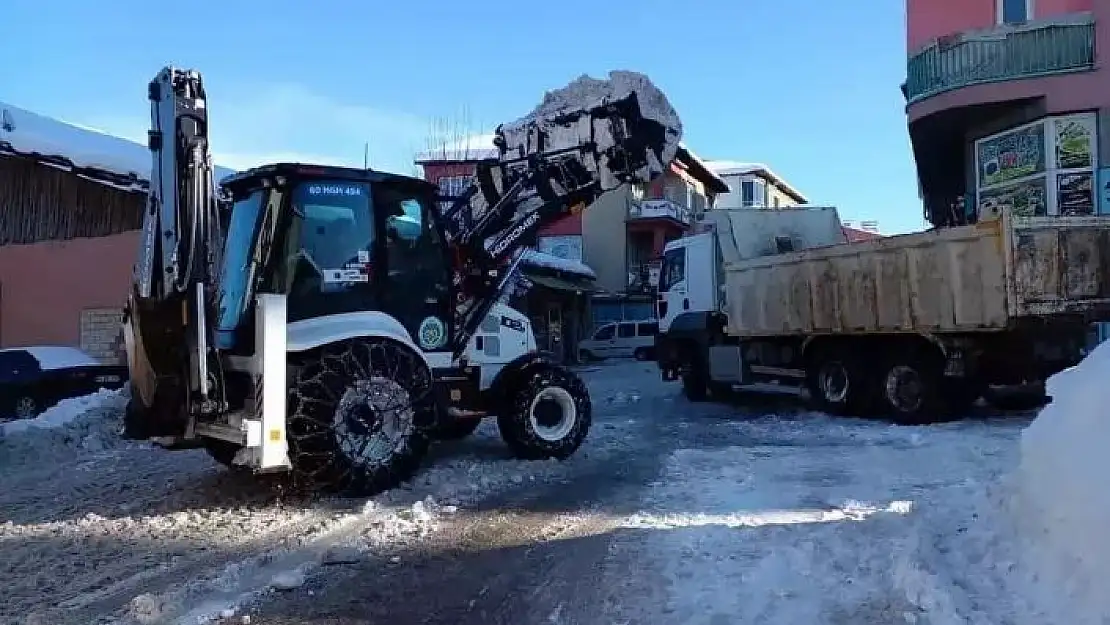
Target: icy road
{"x":672,"y":512}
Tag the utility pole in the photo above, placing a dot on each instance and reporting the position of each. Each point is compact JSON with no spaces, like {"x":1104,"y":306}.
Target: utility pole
{"x":366,"y":155}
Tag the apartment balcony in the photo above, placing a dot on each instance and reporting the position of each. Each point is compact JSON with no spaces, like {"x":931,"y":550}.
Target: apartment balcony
{"x":642,"y":210}
{"x":1008,"y":52}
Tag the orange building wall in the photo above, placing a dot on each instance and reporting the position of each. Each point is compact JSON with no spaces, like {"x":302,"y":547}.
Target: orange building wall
{"x":44,"y":287}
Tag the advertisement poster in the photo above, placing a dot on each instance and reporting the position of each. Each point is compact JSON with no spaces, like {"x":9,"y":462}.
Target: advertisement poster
{"x":1024,"y":199}
{"x":1012,"y":154}
{"x":1075,"y":194}
{"x":1074,"y":141}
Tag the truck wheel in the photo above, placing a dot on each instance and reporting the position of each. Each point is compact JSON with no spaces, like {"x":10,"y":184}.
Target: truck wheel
{"x":839,"y":384}
{"x":642,"y":353}
{"x":456,"y":430}
{"x":911,"y":389}
{"x":547,"y":413}
{"x":357,"y":416}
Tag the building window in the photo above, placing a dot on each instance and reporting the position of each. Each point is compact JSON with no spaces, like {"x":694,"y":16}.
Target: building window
{"x":1014,"y":11}
{"x":753,"y":193}
{"x":778,"y":201}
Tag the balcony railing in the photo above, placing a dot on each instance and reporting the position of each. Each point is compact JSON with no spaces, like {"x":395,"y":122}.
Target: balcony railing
{"x":1005,"y":53}
{"x":659,"y":209}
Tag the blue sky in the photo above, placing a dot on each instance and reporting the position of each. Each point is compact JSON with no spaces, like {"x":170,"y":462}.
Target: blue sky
{"x":807,"y":86}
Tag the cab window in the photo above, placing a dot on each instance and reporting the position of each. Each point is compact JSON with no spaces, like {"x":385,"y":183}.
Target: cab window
{"x":673,"y":270}
{"x":647,"y":329}
{"x":626,"y":330}
{"x":604,"y":334}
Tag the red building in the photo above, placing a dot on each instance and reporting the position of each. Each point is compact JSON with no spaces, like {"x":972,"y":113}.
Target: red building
{"x":1007,"y":105}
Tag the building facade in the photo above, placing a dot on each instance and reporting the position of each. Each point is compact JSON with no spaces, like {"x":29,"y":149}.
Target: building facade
{"x":1008,"y":106}
{"x":71,"y":206}
{"x":754,"y":185}
{"x":620,"y":238}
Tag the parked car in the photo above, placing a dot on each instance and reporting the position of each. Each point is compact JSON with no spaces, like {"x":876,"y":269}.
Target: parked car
{"x":33,"y":379}
{"x":621,"y":340}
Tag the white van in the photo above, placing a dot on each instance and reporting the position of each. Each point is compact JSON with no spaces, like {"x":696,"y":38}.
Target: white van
{"x":621,"y":340}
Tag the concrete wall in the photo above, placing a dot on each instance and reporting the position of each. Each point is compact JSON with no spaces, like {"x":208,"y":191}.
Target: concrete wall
{"x":45,"y":287}
{"x":926,"y":20}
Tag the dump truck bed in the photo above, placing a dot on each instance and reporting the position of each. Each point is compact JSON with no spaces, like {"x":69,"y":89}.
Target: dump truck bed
{"x":984,"y":277}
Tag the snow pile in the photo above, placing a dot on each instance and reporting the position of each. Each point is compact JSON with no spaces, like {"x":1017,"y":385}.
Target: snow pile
{"x":89,"y":423}
{"x":1063,"y":495}
{"x":549,"y":261}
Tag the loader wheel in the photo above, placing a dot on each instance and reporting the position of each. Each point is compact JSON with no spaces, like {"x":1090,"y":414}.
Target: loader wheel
{"x":359,"y":414}
{"x":456,"y":430}
{"x":547,"y":415}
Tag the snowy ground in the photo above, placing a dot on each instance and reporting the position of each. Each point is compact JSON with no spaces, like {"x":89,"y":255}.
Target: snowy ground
{"x":671,"y":513}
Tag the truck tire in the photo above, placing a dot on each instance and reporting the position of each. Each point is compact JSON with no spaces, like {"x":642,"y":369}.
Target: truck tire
{"x":839,"y":383}
{"x":358,"y":414}
{"x":456,"y":430}
{"x":547,"y":413}
{"x":911,"y":388}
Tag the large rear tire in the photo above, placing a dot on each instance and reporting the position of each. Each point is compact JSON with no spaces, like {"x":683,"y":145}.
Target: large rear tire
{"x":359,"y":413}
{"x":547,"y":413}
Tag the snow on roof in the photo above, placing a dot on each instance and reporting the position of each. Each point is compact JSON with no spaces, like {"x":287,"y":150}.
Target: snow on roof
{"x":722,"y":186}
{"x":471,"y":148}
{"x":735,"y":168}
{"x":91,"y":153}
{"x":537,"y":258}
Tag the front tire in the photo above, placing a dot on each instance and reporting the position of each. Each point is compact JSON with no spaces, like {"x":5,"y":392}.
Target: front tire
{"x":359,"y":413}
{"x":547,"y":414}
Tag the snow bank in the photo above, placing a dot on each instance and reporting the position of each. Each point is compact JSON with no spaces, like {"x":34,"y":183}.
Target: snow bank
{"x":87,"y":423}
{"x":1064,"y":499}
{"x":111,"y":160}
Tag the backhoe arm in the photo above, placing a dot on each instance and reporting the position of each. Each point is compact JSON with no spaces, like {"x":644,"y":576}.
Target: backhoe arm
{"x":174,"y":284}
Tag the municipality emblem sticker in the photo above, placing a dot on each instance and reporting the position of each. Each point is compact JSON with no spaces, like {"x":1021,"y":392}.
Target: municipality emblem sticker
{"x":432,"y":333}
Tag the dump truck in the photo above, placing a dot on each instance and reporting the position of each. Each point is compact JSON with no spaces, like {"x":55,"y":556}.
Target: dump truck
{"x":915,"y":327}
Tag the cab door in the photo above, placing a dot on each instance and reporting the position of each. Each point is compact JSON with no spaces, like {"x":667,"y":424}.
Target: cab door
{"x":417,"y":276}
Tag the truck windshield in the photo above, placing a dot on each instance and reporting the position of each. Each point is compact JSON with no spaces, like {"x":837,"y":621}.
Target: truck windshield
{"x":673,"y":270}
{"x":328,"y":249}
{"x":237,"y":256}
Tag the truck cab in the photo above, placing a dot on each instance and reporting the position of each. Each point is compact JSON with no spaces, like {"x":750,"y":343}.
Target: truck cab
{"x":687,"y":282}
